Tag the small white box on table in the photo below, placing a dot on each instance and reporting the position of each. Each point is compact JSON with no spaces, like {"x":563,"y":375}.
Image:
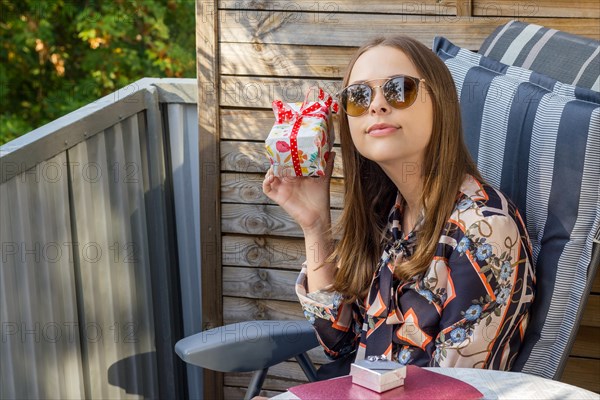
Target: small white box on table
{"x":378,"y":374}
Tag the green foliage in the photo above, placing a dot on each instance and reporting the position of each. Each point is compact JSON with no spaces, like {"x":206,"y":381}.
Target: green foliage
{"x":58,"y":55}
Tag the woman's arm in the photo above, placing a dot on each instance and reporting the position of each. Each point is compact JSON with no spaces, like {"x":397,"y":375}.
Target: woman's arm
{"x":336,"y":323}
{"x":489,"y":290}
{"x":319,"y":245}
{"x":307,"y":201}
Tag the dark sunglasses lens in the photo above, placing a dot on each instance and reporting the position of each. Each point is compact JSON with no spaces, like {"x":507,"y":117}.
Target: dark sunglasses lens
{"x":400,"y":92}
{"x":356,"y":99}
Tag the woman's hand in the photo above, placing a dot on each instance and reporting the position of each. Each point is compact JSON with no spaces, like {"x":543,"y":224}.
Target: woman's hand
{"x":305,"y":199}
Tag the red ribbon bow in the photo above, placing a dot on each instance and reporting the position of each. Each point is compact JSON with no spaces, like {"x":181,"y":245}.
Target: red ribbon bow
{"x":284,"y":113}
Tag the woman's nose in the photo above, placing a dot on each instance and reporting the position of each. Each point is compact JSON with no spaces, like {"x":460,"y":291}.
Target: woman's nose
{"x":378,"y":103}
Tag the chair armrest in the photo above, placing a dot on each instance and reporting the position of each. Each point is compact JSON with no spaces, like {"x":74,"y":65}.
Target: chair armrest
{"x":247,"y":346}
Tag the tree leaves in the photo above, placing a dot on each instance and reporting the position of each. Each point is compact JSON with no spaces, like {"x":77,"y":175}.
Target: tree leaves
{"x":77,"y":52}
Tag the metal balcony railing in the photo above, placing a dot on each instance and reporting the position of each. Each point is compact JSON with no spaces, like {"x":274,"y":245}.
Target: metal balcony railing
{"x":100,"y":270}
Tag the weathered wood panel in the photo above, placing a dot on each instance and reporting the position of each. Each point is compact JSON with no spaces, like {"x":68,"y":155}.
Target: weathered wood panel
{"x":251,"y":157}
{"x":253,"y":125}
{"x":491,"y":9}
{"x":236,"y":309}
{"x":259,"y":283}
{"x":246,"y":125}
{"x":583,"y":372}
{"x":261,"y":220}
{"x":464,"y":8}
{"x":596,"y":284}
{"x":354,"y":29}
{"x":247,"y":188}
{"x":587,"y":343}
{"x":264,"y":252}
{"x":247,"y":157}
{"x":270,"y":383}
{"x":243,"y":188}
{"x":259,"y":92}
{"x":286,"y":370}
{"x":284,"y":60}
{"x":207,"y":38}
{"x":591,"y":314}
{"x":376,"y":6}
{"x":258,"y":220}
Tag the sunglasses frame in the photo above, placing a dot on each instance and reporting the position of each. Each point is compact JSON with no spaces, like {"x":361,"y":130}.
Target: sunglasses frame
{"x":416,"y":81}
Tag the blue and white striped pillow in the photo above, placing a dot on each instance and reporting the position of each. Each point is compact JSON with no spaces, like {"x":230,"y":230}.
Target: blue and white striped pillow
{"x":560,"y":55}
{"x":538,"y":140}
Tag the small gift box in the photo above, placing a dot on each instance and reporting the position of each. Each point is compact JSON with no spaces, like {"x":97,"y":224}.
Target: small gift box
{"x":377,"y":373}
{"x":302,"y":136}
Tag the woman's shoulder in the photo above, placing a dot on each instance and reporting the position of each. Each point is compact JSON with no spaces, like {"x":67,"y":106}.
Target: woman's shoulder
{"x":486,"y":223}
{"x":479,"y":201}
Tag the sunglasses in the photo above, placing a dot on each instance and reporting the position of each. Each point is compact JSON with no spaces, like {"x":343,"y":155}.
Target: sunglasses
{"x":400,"y":91}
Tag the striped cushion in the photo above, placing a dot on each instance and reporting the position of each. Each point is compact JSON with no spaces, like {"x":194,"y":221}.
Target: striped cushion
{"x":538,"y":140}
{"x":565,"y":57}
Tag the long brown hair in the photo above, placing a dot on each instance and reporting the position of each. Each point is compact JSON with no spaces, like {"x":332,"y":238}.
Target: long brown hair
{"x":369,"y":194}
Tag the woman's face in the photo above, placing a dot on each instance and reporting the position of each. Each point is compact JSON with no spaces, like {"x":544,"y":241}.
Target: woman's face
{"x":406,"y":133}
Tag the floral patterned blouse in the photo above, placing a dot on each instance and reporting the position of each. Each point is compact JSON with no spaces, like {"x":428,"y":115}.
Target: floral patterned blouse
{"x":469,"y":309}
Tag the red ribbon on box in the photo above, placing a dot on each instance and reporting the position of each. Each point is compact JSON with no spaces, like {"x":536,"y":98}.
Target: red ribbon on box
{"x":284,"y":113}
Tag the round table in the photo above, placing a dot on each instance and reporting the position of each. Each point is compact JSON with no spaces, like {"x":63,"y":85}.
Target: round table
{"x":505,"y":385}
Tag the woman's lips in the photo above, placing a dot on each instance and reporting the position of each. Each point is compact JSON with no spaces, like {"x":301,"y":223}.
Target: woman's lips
{"x":381,"y":129}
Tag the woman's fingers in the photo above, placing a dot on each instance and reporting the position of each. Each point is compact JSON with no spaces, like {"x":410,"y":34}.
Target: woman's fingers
{"x":268,"y":181}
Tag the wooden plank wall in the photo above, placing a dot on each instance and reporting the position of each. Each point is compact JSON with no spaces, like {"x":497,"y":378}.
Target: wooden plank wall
{"x":251,"y":52}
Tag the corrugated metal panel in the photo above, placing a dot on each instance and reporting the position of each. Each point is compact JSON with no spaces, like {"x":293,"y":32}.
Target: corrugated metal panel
{"x":89,"y":295}
{"x":183,"y":139}
{"x":40,"y":341}
{"x":110,"y":228}
{"x":163,"y":250}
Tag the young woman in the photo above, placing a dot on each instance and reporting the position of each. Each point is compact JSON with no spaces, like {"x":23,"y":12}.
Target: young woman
{"x":433,"y":266}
